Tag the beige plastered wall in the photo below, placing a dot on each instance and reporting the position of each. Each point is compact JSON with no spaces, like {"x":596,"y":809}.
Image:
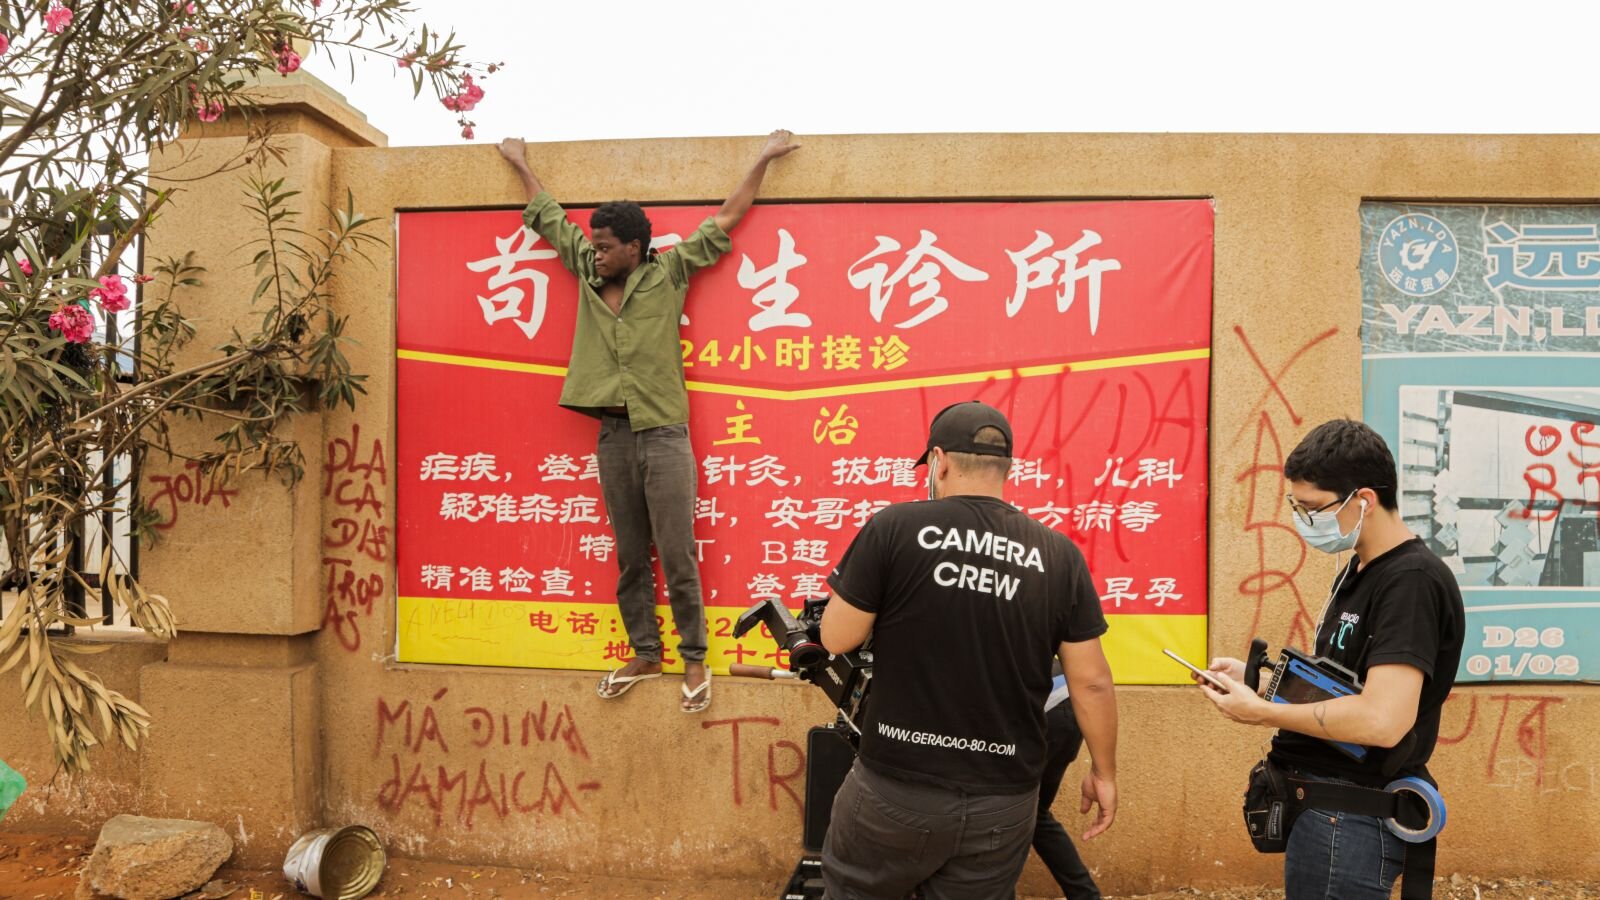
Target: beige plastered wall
{"x":285,"y":709}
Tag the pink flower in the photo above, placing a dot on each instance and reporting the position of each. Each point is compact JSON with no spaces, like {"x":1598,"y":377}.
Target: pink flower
{"x":74,"y":323}
{"x":210,"y":112}
{"x":472,"y":94}
{"x":202,"y":46}
{"x":179,"y":6}
{"x":464,"y":101}
{"x":112,"y":294}
{"x":467,"y":132}
{"x":288,"y":61}
{"x":111,"y":302}
{"x":26,"y":266}
{"x":143,"y":279}
{"x":5,"y":44}
{"x":57,"y":19}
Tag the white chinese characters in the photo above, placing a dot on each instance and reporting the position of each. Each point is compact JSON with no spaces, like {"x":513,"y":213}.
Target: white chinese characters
{"x":1036,"y":271}
{"x":519,"y":247}
{"x":920,"y":270}
{"x":774,"y":294}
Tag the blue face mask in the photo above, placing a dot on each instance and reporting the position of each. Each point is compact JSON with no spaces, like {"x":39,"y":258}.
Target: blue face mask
{"x":1325,"y":535}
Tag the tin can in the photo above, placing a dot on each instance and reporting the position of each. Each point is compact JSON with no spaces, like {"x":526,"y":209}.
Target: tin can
{"x":336,"y":863}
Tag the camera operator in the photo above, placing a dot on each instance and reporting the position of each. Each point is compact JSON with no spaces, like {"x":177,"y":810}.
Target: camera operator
{"x":967,"y":599}
{"x":1394,"y":618}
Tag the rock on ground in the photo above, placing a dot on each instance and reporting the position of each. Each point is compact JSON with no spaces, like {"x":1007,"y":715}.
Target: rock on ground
{"x":154,"y":859}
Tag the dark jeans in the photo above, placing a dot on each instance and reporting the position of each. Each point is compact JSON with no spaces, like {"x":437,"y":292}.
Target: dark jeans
{"x":888,"y":837}
{"x":648,"y":481}
{"x":1339,"y":855}
{"x":1050,"y":840}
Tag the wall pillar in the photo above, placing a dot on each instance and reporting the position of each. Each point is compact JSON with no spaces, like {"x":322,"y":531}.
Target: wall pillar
{"x":234,"y":737}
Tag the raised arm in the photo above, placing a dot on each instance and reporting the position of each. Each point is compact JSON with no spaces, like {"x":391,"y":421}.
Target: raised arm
{"x":546,"y":218}
{"x":779,"y":143}
{"x":515,"y":150}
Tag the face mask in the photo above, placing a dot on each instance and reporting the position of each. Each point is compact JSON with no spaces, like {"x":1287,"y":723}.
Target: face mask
{"x":1325,"y":535}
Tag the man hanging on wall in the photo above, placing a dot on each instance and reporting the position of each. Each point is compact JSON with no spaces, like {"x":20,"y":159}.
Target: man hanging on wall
{"x":627,"y":371}
{"x":1394,"y":618}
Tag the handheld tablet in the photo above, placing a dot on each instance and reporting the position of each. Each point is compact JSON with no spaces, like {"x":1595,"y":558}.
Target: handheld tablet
{"x":1299,"y":678}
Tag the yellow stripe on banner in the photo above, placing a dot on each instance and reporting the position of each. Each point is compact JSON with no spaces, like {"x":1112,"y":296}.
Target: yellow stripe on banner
{"x":481,"y":362}
{"x":1134,"y":644}
{"x":841,"y":390}
{"x":551,"y":635}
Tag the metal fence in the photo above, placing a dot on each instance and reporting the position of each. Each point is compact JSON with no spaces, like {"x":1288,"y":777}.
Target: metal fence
{"x":119,"y":483}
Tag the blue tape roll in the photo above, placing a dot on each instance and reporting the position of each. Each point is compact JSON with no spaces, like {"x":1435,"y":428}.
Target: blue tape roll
{"x":1436,"y":812}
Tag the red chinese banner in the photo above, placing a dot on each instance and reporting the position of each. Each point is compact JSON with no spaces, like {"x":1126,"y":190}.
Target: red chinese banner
{"x":816,"y":352}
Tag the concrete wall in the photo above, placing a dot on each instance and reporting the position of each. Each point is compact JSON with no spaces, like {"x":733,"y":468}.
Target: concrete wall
{"x":1287,"y":246}
{"x":54,"y":802}
{"x":529,"y":767}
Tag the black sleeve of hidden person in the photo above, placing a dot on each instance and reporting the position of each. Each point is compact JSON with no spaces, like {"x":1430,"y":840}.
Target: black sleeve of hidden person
{"x":1405,"y":621}
{"x":859,"y":576}
{"x":1084,"y":619}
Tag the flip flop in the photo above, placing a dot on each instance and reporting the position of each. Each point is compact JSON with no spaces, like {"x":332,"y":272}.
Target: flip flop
{"x":703,"y":692}
{"x":624,"y":683}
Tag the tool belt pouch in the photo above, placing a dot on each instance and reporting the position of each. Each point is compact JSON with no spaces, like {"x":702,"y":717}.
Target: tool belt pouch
{"x":1269,"y":809}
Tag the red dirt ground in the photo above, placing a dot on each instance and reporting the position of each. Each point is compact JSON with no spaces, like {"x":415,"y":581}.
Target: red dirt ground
{"x":45,"y":867}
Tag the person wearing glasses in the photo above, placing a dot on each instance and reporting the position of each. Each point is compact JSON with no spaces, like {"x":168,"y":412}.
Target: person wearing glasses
{"x":1394,"y":617}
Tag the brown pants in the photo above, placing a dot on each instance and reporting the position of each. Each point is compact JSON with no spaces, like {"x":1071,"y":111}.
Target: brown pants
{"x":888,"y":837}
{"x":648,"y":481}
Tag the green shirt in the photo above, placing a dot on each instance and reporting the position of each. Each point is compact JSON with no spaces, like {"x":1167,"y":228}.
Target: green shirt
{"x":633,"y":358}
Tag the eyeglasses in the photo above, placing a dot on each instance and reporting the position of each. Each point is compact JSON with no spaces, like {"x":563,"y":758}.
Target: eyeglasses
{"x":1308,"y":515}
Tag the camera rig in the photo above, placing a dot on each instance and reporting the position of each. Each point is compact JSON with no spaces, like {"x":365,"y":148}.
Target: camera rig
{"x":830,"y":749}
{"x":845,"y":678}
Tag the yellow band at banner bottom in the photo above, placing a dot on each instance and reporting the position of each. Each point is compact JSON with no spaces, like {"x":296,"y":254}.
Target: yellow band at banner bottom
{"x":548,"y":635}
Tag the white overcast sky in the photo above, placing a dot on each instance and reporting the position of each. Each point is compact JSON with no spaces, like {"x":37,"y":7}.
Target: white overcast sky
{"x":598,"y":69}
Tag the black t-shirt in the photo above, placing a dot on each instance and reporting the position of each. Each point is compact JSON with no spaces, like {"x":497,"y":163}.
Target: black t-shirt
{"x":972,"y":599}
{"x":1404,"y":607}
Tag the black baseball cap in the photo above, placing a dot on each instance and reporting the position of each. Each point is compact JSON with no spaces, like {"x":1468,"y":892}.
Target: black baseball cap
{"x":954,"y":428}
